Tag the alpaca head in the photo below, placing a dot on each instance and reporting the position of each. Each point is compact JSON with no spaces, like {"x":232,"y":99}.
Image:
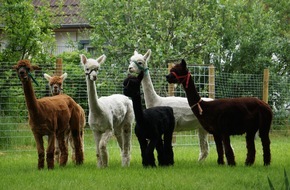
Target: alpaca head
{"x":178,"y":73}
{"x":91,"y":66}
{"x":131,"y":85}
{"x":24,"y":69}
{"x":55,"y":83}
{"x":138,"y":62}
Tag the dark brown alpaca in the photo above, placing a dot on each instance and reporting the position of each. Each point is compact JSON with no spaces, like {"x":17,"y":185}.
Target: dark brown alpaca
{"x":226,"y":117}
{"x":50,"y":116}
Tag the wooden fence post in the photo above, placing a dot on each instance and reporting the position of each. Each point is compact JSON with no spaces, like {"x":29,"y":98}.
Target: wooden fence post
{"x":266,"y":85}
{"x":211,"y":85}
{"x":170,"y":86}
{"x":58,"y":67}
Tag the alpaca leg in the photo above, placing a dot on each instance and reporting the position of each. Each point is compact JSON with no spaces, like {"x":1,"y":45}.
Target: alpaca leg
{"x":169,"y":155}
{"x":219,"y":148}
{"x":266,"y":147}
{"x":150,"y":152}
{"x":103,"y":147}
{"x":203,"y":143}
{"x":97,"y":137}
{"x":77,"y":140}
{"x":119,"y":138}
{"x":161,"y":157}
{"x":56,"y":152}
{"x":143,"y":147}
{"x":250,"y":138}
{"x":228,"y":150}
{"x":126,"y":145}
{"x":63,"y":149}
{"x":69,"y":140}
{"x":40,"y":150}
{"x":50,"y":151}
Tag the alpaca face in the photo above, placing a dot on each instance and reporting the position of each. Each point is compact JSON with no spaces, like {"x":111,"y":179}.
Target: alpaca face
{"x":177,"y":73}
{"x":138,"y":62}
{"x":55,"y":83}
{"x":131,"y":85}
{"x":24,"y":68}
{"x":91,"y":66}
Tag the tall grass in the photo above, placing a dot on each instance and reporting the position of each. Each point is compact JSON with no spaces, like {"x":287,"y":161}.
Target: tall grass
{"x":18,"y":170}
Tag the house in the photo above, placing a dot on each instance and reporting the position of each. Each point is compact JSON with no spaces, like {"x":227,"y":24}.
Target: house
{"x":72,"y":33}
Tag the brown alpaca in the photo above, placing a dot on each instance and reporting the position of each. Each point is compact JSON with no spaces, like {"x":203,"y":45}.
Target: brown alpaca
{"x":51,"y":116}
{"x":55,"y":83}
{"x":226,"y":117}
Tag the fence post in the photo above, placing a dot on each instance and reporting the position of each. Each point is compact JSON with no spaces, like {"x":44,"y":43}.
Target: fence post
{"x":266,"y":85}
{"x":170,"y":86}
{"x":211,"y":85}
{"x":58,"y":67}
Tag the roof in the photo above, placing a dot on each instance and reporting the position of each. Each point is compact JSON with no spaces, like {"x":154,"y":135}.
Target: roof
{"x":67,"y":14}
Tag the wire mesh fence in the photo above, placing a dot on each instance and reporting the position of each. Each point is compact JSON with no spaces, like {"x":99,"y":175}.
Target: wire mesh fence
{"x":15,"y":133}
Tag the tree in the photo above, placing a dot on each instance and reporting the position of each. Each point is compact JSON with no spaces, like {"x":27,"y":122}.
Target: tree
{"x":27,"y":31}
{"x":172,"y":29}
{"x":250,"y":39}
{"x":236,"y":36}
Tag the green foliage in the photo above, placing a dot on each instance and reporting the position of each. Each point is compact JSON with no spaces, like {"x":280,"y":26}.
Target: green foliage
{"x":27,"y":31}
{"x":235,"y":36}
{"x":285,"y":184}
{"x":172,"y":29}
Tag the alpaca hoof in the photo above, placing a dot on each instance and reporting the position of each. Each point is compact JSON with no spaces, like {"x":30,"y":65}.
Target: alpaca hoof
{"x":232,"y":164}
{"x":249,"y":163}
{"x":220,"y":162}
{"x":202,"y":157}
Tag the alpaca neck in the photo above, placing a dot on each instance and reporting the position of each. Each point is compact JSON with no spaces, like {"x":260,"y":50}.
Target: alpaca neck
{"x":92,"y":96}
{"x":31,"y":101}
{"x":137,"y":107}
{"x":191,"y":93}
{"x":150,"y":95}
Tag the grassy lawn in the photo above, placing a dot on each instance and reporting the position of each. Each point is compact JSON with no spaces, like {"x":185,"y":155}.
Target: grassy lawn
{"x":18,"y":170}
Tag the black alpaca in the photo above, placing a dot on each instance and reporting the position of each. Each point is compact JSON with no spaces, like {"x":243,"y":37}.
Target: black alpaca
{"x":225,"y":117}
{"x":151,"y":125}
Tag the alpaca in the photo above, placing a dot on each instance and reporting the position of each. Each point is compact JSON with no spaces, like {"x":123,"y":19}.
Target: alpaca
{"x":55,"y":83}
{"x":50,"y":116}
{"x":107,"y":115}
{"x":151,"y":125}
{"x":226,"y":117}
{"x":184,"y":119}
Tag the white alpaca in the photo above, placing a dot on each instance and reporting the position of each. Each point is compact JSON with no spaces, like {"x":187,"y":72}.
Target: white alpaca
{"x":107,"y":115}
{"x":184,"y":119}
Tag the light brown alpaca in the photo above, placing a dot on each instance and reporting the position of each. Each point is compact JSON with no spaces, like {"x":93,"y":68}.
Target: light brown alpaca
{"x":50,"y":116}
{"x":56,"y":87}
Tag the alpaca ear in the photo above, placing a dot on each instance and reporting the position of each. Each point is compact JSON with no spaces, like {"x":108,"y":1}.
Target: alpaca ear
{"x":101,"y":59}
{"x":47,"y":77}
{"x":83,"y":59}
{"x":147,"y":55}
{"x":34,"y":67}
{"x":63,"y":76}
{"x":183,"y":63}
{"x":136,"y":52}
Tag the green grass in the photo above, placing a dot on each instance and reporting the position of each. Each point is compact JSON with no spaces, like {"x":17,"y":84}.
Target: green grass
{"x":18,"y":170}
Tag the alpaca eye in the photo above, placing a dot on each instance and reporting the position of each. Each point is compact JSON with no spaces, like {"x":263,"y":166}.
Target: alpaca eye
{"x":140,"y":63}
